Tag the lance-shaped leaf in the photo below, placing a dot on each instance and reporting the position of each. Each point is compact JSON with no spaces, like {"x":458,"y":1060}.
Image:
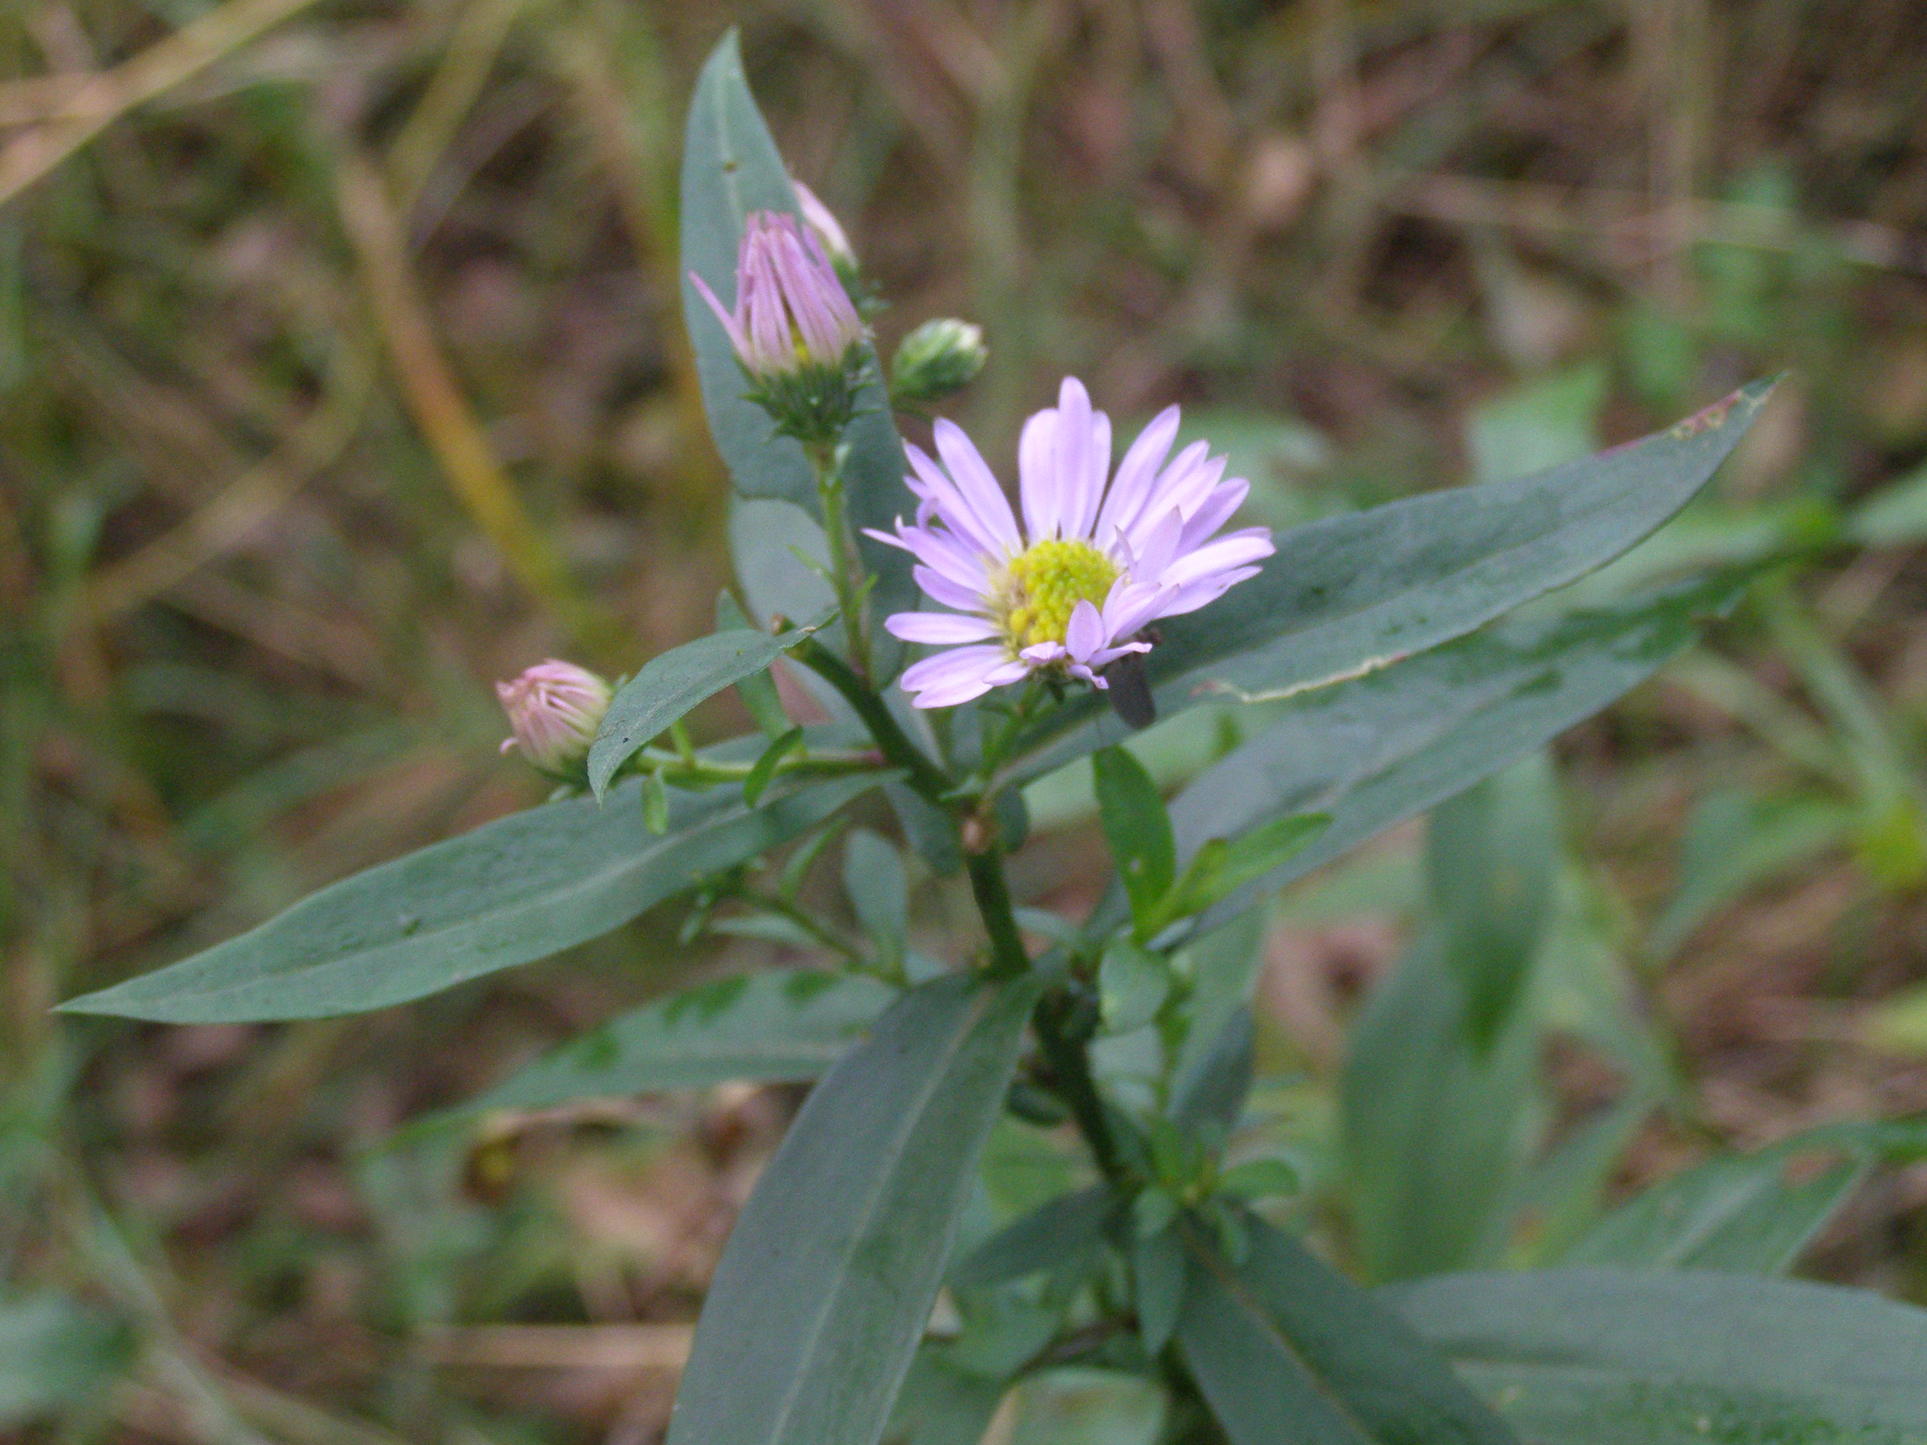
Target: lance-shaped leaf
{"x":509,"y":892}
{"x":1373,"y":751}
{"x":1285,"y":1349}
{"x":768,"y":1027}
{"x":1751,"y":1213}
{"x":830,"y":1274}
{"x":731,"y":167}
{"x":1351,"y":594}
{"x":1605,"y":1357}
{"x":1376,"y":750}
{"x":673,"y":682}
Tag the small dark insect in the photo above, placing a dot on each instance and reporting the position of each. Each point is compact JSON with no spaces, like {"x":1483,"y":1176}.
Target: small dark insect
{"x":1130,"y":690}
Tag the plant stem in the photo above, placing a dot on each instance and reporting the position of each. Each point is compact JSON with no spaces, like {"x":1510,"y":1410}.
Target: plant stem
{"x":1070,"y":1069}
{"x":992,"y":891}
{"x":826,"y":464}
{"x":1068,"y":1058}
{"x":699,"y":773}
{"x":895,"y":744}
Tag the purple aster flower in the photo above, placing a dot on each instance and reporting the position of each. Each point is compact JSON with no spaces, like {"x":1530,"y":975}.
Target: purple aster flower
{"x":791,"y":310}
{"x":554,"y":709}
{"x":1096,"y":559}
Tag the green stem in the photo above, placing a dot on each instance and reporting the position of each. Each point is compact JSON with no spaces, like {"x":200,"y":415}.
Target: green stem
{"x":922,"y":774}
{"x":826,"y":464}
{"x":1071,"y":1079}
{"x":992,"y":891}
{"x":702,"y":773}
{"x":1068,"y":1058}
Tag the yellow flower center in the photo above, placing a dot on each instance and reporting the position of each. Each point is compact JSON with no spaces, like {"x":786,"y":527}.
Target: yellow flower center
{"x":1043,"y":585}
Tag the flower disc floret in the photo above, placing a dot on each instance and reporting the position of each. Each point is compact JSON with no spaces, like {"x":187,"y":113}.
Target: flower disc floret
{"x":1097,"y":557}
{"x":1043,"y":586}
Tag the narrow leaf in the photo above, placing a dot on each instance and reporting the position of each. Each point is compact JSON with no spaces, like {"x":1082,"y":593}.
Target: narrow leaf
{"x":1137,"y":829}
{"x":1430,"y":1121}
{"x":1348,"y":595}
{"x":1132,"y":984}
{"x":1379,"y":749}
{"x":766,"y":1027}
{"x":510,"y":892}
{"x":758,"y":690}
{"x":1221,"y":866}
{"x":873,"y":877}
{"x":1210,"y":1094}
{"x":1038,"y":1241}
{"x":1284,"y":1349}
{"x":1492,"y":855}
{"x":829,"y":1276}
{"x":1741,"y":1214}
{"x":1157,"y":1287}
{"x":673,"y":682}
{"x":1607,"y":1357}
{"x":763,"y":772}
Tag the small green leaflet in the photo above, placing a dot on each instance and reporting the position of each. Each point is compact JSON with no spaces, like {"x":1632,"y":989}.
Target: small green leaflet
{"x":673,"y":682}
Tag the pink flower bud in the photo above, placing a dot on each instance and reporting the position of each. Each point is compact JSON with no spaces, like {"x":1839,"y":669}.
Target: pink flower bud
{"x":791,"y":310}
{"x":554,"y":709}
{"x":823,"y":222}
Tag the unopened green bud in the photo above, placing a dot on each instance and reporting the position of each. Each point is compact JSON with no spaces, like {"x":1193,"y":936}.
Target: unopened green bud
{"x":939,"y":357}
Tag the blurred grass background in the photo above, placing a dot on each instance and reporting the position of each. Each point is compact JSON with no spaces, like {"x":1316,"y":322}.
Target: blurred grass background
{"x":341,"y":373}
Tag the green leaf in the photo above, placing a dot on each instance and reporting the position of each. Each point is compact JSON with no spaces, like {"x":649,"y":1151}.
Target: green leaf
{"x":1041,"y":1240}
{"x":1492,"y":854}
{"x":1221,"y":866}
{"x":873,"y":877}
{"x":1259,"y":1179}
{"x":758,"y":690}
{"x":941,"y":1404}
{"x":764,"y":769}
{"x":1741,"y":1214}
{"x":767,"y":1027}
{"x":1210,"y":1092}
{"x":1352,"y":594}
{"x":1605,"y":1357}
{"x":1736,"y":841}
{"x":1132,"y":985}
{"x":509,"y":892}
{"x":730,"y":168}
{"x":655,"y":804}
{"x":55,"y":1354}
{"x":1430,"y":1121}
{"x":1285,"y":1349}
{"x":673,"y":682}
{"x":1137,"y":829}
{"x":1157,"y":1287}
{"x":1378,"y":749}
{"x":829,"y":1276}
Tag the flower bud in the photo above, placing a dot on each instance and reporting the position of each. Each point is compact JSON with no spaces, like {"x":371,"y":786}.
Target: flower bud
{"x":939,"y":357}
{"x":554,"y":709}
{"x":794,"y":328}
{"x":824,"y":225}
